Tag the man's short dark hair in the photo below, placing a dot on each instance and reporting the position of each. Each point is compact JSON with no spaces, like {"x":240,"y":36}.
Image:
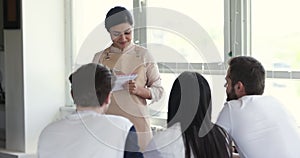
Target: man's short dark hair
{"x":250,"y":72}
{"x":91,"y":84}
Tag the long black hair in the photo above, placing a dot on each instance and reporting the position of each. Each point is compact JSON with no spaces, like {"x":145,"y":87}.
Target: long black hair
{"x":190,"y":105}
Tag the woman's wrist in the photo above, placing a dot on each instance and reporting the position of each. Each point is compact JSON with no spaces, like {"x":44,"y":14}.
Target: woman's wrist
{"x":149,"y":93}
{"x":144,"y":93}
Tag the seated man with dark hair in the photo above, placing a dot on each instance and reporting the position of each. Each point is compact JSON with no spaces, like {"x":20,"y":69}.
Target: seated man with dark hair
{"x":260,"y":125}
{"x":89,"y":133}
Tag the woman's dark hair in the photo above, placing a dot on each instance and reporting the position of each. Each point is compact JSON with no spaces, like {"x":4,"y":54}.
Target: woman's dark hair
{"x":91,"y":84}
{"x":250,"y":72}
{"x":190,"y":105}
{"x":117,"y":15}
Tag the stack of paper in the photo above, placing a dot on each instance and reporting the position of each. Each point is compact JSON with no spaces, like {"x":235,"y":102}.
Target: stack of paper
{"x":121,"y":80}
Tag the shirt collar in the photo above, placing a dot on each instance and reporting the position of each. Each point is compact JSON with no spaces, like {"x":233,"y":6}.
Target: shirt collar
{"x":117,"y":50}
{"x":77,"y":114}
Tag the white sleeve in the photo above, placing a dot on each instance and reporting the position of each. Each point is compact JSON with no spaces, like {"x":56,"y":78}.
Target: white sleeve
{"x":153,"y":78}
{"x":224,"y":119}
{"x":152,"y":151}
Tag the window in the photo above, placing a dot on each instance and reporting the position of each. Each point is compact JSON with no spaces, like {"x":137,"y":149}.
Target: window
{"x":184,"y":36}
{"x":177,"y":45}
{"x":275,"y":42}
{"x":276,"y":34}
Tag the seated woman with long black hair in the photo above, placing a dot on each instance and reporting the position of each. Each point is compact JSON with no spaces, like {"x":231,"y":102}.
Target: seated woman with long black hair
{"x":190,"y":132}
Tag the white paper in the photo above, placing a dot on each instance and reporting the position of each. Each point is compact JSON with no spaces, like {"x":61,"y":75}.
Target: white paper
{"x":121,"y":80}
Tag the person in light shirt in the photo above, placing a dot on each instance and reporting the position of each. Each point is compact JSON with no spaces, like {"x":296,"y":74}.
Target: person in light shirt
{"x":260,"y":125}
{"x":89,"y":132}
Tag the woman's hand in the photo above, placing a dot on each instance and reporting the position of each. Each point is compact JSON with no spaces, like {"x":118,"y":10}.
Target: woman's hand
{"x":132,"y":87}
{"x":143,"y":92}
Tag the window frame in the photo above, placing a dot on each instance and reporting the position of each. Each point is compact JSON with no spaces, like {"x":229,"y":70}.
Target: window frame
{"x":237,"y":41}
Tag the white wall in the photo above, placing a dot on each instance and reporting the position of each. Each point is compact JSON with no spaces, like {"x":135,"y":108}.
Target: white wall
{"x":44,"y":66}
{"x":35,"y":73}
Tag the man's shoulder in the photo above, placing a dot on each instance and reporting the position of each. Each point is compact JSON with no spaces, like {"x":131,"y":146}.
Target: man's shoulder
{"x":53,"y":126}
{"x":258,"y":100}
{"x":233,"y":103}
{"x":249,"y":99}
{"x":119,"y":119}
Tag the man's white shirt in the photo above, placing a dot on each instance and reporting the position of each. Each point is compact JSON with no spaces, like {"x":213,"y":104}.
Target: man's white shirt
{"x":261,"y":127}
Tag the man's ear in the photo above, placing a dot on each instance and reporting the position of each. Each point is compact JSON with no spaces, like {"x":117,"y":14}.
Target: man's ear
{"x":239,"y":89}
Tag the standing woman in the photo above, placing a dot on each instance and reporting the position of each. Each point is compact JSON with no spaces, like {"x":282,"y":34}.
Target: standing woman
{"x":127,"y":58}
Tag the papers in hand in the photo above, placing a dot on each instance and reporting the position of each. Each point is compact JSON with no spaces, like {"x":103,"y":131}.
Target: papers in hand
{"x":121,"y":80}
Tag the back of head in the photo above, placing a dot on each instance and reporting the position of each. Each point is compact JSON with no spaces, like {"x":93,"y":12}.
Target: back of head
{"x":117,"y":15}
{"x":250,"y":72}
{"x":190,"y":105}
{"x":190,"y":94}
{"x":91,"y":85}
